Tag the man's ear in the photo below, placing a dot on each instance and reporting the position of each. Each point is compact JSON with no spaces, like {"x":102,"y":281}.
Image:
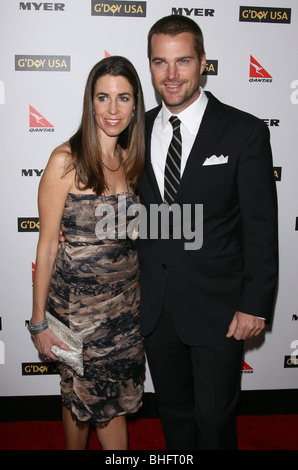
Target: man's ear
{"x":203,"y":64}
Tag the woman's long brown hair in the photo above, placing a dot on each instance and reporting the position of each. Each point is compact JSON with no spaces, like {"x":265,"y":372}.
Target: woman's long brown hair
{"x":84,"y":144}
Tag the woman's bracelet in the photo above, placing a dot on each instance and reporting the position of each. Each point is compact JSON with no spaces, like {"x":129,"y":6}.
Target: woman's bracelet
{"x":35,"y":328}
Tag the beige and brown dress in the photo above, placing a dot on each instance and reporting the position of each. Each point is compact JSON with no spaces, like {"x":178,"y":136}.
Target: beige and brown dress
{"x":95,"y":291}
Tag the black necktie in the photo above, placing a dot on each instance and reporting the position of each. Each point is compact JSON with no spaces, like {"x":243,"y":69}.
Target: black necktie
{"x":173,"y":163}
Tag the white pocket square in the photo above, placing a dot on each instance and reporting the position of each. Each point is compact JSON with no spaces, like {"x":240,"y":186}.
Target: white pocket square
{"x":214,"y":160}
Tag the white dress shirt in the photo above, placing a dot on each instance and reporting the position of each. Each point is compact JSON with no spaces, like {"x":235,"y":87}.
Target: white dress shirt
{"x":162,"y":133}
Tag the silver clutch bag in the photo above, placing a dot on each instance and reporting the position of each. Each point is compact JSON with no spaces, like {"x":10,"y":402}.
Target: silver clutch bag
{"x":73,"y":357}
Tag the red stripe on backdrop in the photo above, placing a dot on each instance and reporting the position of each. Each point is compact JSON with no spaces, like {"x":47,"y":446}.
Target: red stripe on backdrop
{"x":273,"y":432}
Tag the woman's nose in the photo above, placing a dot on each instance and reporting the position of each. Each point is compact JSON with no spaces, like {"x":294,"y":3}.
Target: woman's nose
{"x":113,"y":109}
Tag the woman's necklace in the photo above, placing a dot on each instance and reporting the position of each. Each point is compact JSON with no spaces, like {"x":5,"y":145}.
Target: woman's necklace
{"x":108,"y":167}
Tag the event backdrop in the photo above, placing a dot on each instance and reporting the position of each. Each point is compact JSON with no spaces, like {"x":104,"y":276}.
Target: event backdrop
{"x":47,"y":51}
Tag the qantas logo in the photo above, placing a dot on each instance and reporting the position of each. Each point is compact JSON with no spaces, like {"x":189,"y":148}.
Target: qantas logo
{"x":257,"y":73}
{"x":32,"y":271}
{"x":38,"y":123}
{"x":246,"y":369}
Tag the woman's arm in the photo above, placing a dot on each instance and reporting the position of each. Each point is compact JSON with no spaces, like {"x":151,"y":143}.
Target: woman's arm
{"x":52,"y":194}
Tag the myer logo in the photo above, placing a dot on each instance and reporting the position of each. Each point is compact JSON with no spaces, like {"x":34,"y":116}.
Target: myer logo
{"x":31,"y":172}
{"x":193,"y":11}
{"x":110,"y":8}
{"x":265,"y":15}
{"x":42,"y":63}
{"x":42,"y":6}
{"x":272,"y":122}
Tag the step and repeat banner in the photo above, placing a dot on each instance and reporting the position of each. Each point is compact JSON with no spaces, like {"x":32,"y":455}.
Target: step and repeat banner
{"x":47,"y":50}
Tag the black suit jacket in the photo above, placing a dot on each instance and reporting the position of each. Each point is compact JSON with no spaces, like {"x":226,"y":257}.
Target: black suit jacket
{"x":236,"y":267}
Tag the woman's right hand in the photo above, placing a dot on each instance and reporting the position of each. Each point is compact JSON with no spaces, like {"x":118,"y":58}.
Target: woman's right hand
{"x":44,"y":341}
{"x":62,"y":238}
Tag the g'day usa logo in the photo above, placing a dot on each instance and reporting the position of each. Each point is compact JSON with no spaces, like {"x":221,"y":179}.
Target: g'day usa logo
{"x":265,"y":15}
{"x":111,"y":8}
{"x":28,"y":224}
{"x":42,"y":63}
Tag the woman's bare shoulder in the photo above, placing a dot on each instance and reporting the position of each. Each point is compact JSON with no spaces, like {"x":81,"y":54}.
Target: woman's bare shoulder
{"x":61,"y":154}
{"x":59,"y":163}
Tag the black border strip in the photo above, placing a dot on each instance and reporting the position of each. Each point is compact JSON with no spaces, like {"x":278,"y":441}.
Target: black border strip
{"x":48,"y":408}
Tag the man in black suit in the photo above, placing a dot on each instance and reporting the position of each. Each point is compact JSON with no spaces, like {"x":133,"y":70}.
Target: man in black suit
{"x":199,"y":305}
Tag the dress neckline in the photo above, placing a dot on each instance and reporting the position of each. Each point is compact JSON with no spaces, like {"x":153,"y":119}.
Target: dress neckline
{"x":102,"y":196}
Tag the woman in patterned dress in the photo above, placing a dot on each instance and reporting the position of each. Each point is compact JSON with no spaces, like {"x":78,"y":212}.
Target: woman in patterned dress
{"x":92,"y":282}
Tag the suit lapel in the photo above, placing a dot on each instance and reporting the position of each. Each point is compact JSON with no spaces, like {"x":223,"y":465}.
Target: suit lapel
{"x":150,"y":118}
{"x":211,"y":127}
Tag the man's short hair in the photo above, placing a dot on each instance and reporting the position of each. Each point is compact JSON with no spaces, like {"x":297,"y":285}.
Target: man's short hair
{"x":176,"y":24}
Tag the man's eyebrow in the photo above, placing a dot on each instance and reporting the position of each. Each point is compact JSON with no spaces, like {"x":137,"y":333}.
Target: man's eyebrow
{"x":157,"y":58}
{"x":176,"y":58}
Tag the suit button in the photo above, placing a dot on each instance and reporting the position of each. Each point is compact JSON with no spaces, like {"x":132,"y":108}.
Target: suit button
{"x":164,"y":266}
